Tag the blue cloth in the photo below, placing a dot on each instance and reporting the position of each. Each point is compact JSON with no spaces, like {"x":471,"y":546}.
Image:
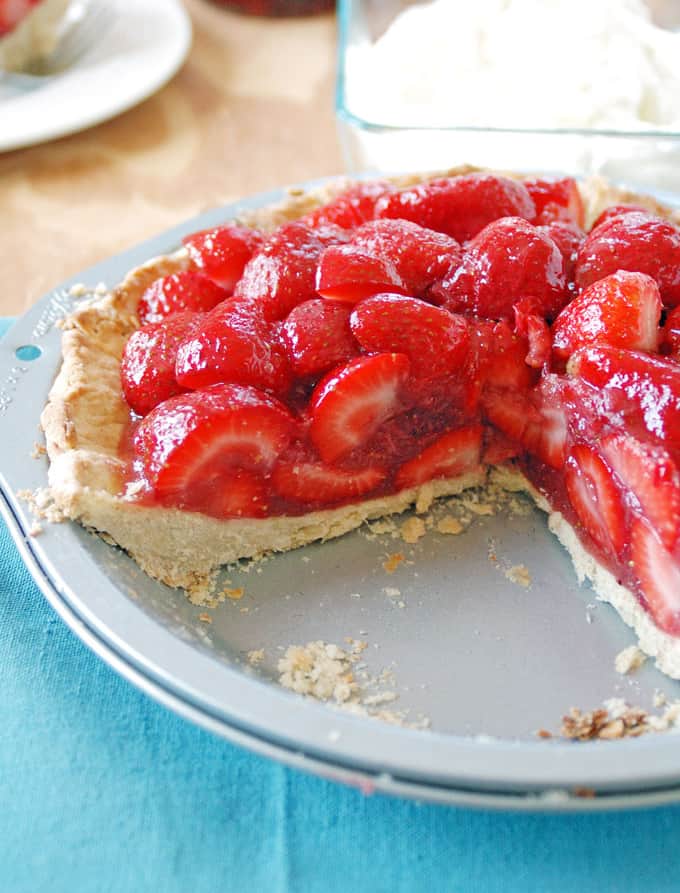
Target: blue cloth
{"x":103,"y":790}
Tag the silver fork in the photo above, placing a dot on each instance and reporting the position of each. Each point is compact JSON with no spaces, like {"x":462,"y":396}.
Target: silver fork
{"x":84,"y":26}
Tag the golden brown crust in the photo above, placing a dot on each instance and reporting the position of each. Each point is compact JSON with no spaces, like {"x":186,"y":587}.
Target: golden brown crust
{"x":85,"y":417}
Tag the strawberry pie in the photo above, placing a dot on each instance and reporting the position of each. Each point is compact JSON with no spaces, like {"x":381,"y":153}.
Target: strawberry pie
{"x":29,"y":30}
{"x":283,"y":378}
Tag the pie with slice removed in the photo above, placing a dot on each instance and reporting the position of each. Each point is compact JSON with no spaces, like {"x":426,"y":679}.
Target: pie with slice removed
{"x":351,"y":352}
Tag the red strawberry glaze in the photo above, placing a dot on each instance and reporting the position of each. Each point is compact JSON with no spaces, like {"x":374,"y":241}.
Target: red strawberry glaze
{"x":637,"y":242}
{"x":459,"y":206}
{"x":556,"y":199}
{"x":387,"y":255}
{"x":354,"y":363}
{"x":621,"y":310}
{"x":352,"y":207}
{"x":282,"y":274}
{"x":508,"y":260}
{"x":221,"y":253}
{"x":147,"y":368}
{"x":181,"y":291}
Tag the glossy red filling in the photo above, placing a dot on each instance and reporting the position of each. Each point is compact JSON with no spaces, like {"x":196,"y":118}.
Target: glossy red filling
{"x":393,"y":337}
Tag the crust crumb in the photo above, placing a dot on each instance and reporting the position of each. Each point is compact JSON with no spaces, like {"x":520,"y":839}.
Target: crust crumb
{"x":616,"y":720}
{"x":234,"y":594}
{"x":39,"y":450}
{"x":35,"y":529}
{"x":412,"y":530}
{"x":41,"y":504}
{"x":519,"y":573}
{"x":660,"y":699}
{"x":450,"y":525}
{"x":479,"y":508}
{"x":425,"y":499}
{"x":318,"y":669}
{"x":205,"y":618}
{"x":629,"y":660}
{"x":324,"y":671}
{"x":200,"y":592}
{"x":255,"y":657}
{"x":392,"y":562}
{"x":383,"y":526}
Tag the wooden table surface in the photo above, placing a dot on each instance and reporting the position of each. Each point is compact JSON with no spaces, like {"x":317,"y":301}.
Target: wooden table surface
{"x":251,"y":109}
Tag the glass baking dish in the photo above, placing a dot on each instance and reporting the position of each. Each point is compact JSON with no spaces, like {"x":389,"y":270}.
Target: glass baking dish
{"x":647,"y":159}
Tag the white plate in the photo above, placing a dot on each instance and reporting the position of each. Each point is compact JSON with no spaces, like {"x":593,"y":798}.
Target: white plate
{"x":138,"y":55}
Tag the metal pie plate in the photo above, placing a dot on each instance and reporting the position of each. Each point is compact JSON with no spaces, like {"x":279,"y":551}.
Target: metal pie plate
{"x":487,"y":660}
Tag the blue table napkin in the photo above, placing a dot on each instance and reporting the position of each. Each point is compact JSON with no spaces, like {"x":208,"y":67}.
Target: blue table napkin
{"x":101,"y":790}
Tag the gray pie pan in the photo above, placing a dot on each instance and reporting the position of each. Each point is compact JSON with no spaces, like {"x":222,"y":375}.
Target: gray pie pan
{"x":487,"y":660}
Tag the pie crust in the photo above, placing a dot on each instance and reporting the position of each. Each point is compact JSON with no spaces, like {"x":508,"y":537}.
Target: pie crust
{"x":86,"y":414}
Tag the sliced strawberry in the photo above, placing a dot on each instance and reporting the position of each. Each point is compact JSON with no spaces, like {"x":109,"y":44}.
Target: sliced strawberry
{"x":454,"y":453}
{"x":351,"y":402}
{"x":671,"y":333}
{"x":406,"y":256}
{"x":237,"y":494}
{"x":352,"y":207}
{"x":642,"y":389}
{"x":556,"y":199}
{"x":618,"y":211}
{"x":459,"y":206}
{"x":180,"y":291}
{"x":221,"y":253}
{"x":531,"y":419}
{"x":639,"y":243}
{"x":191,"y":444}
{"x":350,"y":273}
{"x":310,"y":482}
{"x":658,"y":574}
{"x":649,"y":473}
{"x":233,"y":344}
{"x":510,"y":411}
{"x":502,"y":356}
{"x":595,"y":498}
{"x":508,"y":260}
{"x":147,"y":369}
{"x":498,"y":448}
{"x":282,"y":274}
{"x":435,"y":341}
{"x":317,"y":336}
{"x":622,"y":310}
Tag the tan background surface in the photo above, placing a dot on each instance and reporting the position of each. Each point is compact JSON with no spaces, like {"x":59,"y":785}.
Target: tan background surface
{"x":251,"y":109}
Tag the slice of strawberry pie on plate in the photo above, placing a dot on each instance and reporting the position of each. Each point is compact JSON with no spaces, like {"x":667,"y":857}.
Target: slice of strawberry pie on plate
{"x":368,"y":347}
{"x":29,"y":30}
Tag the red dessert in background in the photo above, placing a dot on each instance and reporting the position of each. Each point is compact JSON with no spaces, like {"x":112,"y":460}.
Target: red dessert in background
{"x":12,"y":12}
{"x":396,"y":336}
{"x":29,"y":31}
{"x":278,"y":8}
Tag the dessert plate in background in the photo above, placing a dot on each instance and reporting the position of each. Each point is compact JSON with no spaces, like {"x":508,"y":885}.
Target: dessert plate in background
{"x":131,"y":61}
{"x":450,"y":632}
